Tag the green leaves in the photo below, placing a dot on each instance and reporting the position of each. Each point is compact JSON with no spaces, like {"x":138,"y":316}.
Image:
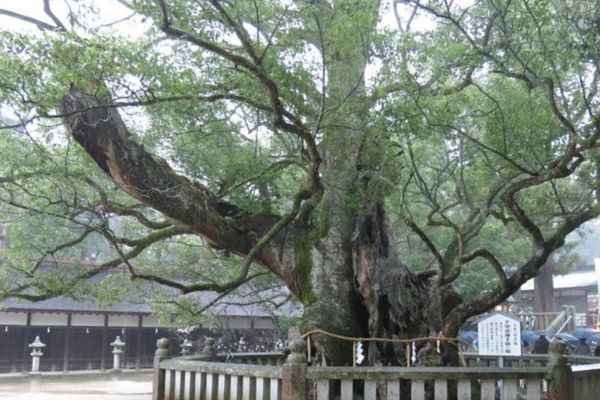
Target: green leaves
{"x":485,"y":107}
{"x":478,"y":131}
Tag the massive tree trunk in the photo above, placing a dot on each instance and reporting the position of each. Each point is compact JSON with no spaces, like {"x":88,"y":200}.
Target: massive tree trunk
{"x":360,"y":285}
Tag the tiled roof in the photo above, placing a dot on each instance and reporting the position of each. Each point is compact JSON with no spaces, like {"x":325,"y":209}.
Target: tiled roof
{"x":67,"y":304}
{"x":572,"y":280}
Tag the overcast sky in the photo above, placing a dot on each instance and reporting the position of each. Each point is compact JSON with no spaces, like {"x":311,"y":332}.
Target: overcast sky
{"x":110,"y":14}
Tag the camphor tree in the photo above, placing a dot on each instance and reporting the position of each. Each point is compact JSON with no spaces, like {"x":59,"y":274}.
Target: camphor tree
{"x":375,"y":158}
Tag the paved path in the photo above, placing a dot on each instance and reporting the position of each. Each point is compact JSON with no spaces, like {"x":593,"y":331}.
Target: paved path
{"x":127,"y":386}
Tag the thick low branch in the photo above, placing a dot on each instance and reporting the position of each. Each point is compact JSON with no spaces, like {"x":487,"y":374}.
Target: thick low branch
{"x":150,"y":180}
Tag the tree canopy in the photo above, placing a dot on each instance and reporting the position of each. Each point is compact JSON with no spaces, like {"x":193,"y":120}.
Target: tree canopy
{"x":399,"y":165}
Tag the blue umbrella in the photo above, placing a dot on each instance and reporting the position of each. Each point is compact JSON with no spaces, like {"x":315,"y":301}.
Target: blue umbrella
{"x":570,"y":340}
{"x":584,"y":333}
{"x":594,"y":340}
{"x":467,"y":337}
{"x":529,"y":336}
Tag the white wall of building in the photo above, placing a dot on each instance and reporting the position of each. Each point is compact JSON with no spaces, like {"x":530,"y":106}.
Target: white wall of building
{"x":123,"y":320}
{"x":49,"y":319}
{"x":150,"y":321}
{"x":87,"y":320}
{"x":237,"y":323}
{"x":13,"y":318}
{"x":264,"y":323}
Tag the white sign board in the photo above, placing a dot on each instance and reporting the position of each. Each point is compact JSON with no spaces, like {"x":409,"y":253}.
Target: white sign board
{"x":499,"y":335}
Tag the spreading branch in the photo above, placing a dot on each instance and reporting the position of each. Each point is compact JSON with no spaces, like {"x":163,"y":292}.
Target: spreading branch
{"x":150,"y":180}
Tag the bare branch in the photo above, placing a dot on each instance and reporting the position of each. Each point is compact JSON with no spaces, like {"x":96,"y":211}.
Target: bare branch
{"x":53,"y":17}
{"x":487,"y":255}
{"x":406,"y":214}
{"x":40,"y":24}
{"x":282,"y":119}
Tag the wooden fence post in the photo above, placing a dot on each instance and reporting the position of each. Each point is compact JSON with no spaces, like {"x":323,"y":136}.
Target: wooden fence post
{"x":158,"y":376}
{"x":293,"y":374}
{"x":558,"y":372}
{"x":572,"y":324}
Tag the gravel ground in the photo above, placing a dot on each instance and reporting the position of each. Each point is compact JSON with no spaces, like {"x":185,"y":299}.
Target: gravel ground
{"x":127,"y":386}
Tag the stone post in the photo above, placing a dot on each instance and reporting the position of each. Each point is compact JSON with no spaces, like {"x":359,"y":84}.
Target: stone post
{"x":294,"y":385}
{"x":158,"y":378}
{"x":118,"y":345}
{"x":558,"y":372}
{"x":36,"y":353}
{"x":186,"y":347}
{"x":209,"y":351}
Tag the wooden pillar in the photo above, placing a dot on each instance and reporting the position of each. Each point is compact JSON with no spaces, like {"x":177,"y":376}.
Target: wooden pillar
{"x":558,"y":372}
{"x":27,"y":339}
{"x":543,"y":294}
{"x":103,"y":343}
{"x":293,"y":374}
{"x":124,"y":338}
{"x":138,"y":350}
{"x":67,"y":344}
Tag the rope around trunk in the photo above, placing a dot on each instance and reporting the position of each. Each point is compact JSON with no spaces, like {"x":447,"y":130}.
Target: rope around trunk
{"x":453,"y":341}
{"x":409,"y":342}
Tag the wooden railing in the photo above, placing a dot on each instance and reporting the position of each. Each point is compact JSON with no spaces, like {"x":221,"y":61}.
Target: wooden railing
{"x":271,"y":358}
{"x":185,"y":379}
{"x":565,"y":321}
{"x":551,"y":322}
{"x":467,"y":383}
{"x":211,"y":377}
{"x":524,"y":361}
{"x":537,"y":321}
{"x":585,"y":382}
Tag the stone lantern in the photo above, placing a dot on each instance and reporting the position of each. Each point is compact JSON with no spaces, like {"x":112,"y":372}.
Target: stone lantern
{"x":242,"y":345}
{"x":118,"y":348}
{"x":186,"y":347}
{"x":36,"y":353}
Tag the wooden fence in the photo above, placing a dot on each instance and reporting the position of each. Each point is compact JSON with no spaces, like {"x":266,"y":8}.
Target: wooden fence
{"x":524,"y":361}
{"x":550,"y":322}
{"x":212,"y":377}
